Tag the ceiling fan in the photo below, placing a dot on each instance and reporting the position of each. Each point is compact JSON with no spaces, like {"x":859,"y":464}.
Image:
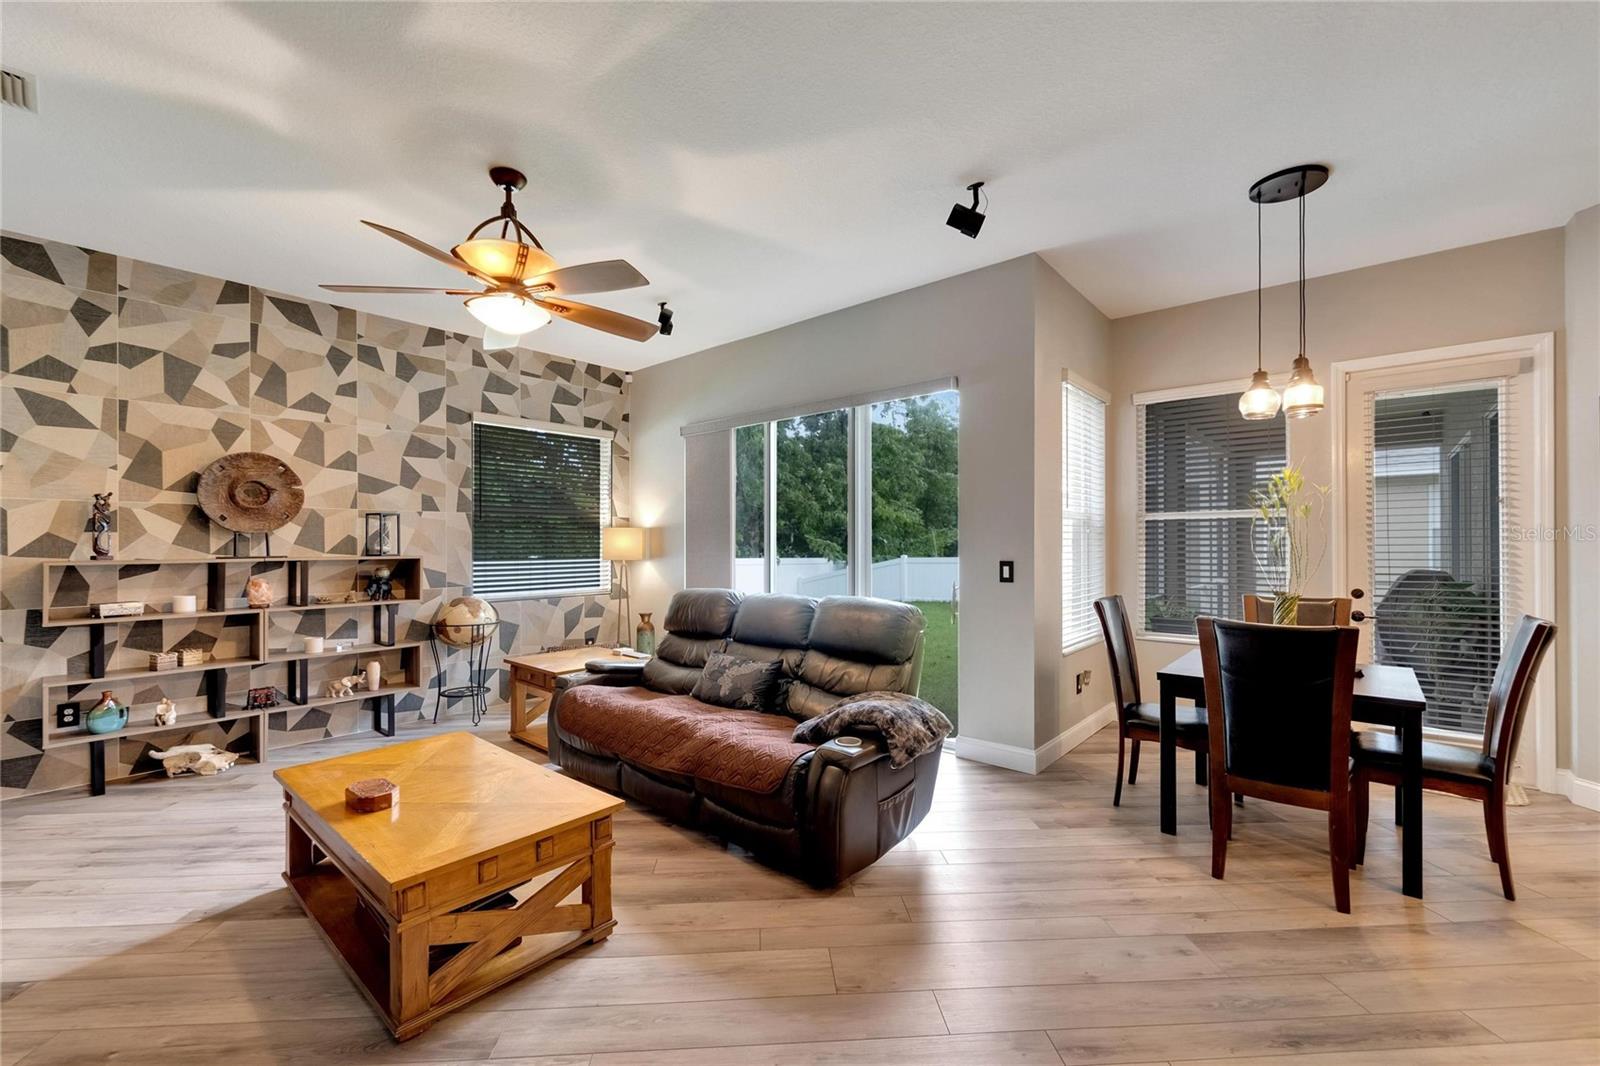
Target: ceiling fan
{"x":523,"y":286}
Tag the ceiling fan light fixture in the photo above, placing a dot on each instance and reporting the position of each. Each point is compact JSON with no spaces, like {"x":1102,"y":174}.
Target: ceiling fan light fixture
{"x":503,"y":259}
{"x":1303,"y":395}
{"x":508,"y":313}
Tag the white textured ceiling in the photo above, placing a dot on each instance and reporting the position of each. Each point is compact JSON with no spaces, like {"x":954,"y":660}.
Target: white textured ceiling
{"x":764,"y":163}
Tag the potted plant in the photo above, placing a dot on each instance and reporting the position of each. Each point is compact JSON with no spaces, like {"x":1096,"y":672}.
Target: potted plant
{"x":1285,"y":511}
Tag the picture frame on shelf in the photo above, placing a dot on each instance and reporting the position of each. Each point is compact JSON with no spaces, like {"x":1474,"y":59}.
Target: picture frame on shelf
{"x":382,"y":533}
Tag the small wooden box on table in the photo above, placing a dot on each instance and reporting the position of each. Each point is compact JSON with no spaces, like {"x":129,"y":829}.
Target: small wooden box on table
{"x":412,"y":899}
{"x":533,"y":682}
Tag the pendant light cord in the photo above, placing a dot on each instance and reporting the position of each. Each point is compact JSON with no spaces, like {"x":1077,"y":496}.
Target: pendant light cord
{"x":1258,"y":285}
{"x":1302,"y":265}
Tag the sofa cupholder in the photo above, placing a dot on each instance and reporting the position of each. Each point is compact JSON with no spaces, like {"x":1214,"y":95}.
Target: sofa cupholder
{"x":847,"y":742}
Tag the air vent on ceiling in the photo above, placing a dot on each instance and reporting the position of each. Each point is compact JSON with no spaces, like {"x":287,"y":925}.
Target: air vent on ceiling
{"x":17,"y":90}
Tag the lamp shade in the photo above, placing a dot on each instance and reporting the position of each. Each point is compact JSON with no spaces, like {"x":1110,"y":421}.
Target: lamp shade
{"x":1260,"y":401}
{"x":623,"y":544}
{"x":1303,"y":395}
{"x":509,"y":260}
{"x":508,"y":313}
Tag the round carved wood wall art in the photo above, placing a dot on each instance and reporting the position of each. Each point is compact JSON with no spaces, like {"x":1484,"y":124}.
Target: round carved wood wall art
{"x":250,"y":492}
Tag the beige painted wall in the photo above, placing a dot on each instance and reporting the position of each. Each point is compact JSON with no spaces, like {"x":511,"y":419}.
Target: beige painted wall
{"x":1482,"y":292}
{"x":1069,"y":334}
{"x":1578,"y":504}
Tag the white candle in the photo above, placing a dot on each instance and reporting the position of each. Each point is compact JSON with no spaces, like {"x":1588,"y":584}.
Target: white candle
{"x":313,"y":645}
{"x":183,"y":605}
{"x":373,"y":678}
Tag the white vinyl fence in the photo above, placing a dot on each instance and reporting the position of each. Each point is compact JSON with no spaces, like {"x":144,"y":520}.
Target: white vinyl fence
{"x":905,"y":578}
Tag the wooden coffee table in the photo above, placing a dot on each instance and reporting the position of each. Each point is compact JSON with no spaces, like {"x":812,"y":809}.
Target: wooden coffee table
{"x":413,"y":900}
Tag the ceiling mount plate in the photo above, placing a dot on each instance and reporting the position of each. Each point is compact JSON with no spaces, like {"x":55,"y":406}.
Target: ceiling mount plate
{"x":507,"y":177}
{"x":1290,"y":183}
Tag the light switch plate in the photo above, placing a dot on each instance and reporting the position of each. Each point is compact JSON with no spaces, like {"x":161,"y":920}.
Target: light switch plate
{"x":1008,"y":571}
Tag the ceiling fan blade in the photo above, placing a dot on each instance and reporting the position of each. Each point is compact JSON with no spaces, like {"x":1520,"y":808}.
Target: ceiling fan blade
{"x":383,"y":288}
{"x":427,"y":249}
{"x":607,"y":276}
{"x":635,"y":329}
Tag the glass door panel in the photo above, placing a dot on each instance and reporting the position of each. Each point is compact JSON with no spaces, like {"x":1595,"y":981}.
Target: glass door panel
{"x":812,"y":510}
{"x":913,"y":527}
{"x":750,"y":508}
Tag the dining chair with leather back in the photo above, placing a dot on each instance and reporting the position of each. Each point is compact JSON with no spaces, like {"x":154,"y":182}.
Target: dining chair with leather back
{"x":1137,"y":720}
{"x":1278,"y":700}
{"x":1479,"y":773}
{"x":1333,"y":611}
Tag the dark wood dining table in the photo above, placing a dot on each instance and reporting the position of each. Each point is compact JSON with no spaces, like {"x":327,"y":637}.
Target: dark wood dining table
{"x":1384,"y":695}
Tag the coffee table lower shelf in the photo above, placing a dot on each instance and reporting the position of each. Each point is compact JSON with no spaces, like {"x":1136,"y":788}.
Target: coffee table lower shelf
{"x":394,"y":964}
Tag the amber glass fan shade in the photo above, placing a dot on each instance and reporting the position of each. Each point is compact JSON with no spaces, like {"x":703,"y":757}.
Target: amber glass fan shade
{"x":507,"y":260}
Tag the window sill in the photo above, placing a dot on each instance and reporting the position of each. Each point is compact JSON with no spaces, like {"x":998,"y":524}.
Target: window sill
{"x":1168,"y":638}
{"x":558,"y":594}
{"x":1086,"y":642}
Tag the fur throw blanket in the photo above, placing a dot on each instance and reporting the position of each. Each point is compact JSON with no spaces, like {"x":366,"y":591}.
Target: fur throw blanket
{"x":909,"y":726}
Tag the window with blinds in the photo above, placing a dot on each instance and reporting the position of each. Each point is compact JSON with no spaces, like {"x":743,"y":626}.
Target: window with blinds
{"x":1198,"y":463}
{"x":1435,"y":520}
{"x":1083,"y":513}
{"x":539,"y":501}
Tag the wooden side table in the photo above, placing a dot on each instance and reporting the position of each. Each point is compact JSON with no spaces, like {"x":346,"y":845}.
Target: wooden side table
{"x":533,"y":682}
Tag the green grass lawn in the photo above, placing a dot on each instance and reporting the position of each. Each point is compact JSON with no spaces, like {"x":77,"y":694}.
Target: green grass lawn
{"x":939,"y":657}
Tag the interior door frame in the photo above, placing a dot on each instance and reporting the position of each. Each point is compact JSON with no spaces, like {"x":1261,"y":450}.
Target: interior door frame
{"x":1541,"y":349}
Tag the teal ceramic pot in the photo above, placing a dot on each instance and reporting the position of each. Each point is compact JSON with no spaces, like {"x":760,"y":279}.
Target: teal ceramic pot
{"x":644,"y":637}
{"x":107,"y":716}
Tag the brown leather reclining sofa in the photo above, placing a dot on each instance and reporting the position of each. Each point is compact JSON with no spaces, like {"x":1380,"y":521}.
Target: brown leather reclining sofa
{"x":833,"y":809}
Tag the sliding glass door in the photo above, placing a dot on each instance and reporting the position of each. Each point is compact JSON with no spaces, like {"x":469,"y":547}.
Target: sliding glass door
{"x":858,"y":500}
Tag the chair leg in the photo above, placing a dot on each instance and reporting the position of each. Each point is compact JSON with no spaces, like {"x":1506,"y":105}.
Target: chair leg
{"x":1494,"y":818}
{"x":1339,"y":857}
{"x":1133,"y":764}
{"x":1122,"y":744}
{"x":1221,"y":830}
{"x":1238,"y":799}
{"x":1360,"y":798}
{"x":1399,"y":807}
{"x":1201,"y":762}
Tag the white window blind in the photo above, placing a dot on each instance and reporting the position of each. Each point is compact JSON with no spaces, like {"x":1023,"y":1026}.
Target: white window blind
{"x":1083,"y":513}
{"x":1447,"y":576}
{"x":539,"y":501}
{"x":1198,"y":463}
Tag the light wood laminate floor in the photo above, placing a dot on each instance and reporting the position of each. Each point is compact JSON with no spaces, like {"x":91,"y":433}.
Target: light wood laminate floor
{"x":1027,"y":921}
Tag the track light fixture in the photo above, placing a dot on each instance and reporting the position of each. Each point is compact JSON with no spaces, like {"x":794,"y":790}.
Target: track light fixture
{"x":968,"y":220}
{"x":665,"y":319}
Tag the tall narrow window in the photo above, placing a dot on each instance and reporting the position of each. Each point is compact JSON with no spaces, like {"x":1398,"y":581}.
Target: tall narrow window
{"x":1083,"y":513}
{"x":539,"y":501}
{"x":750,"y":508}
{"x":1198,"y":463}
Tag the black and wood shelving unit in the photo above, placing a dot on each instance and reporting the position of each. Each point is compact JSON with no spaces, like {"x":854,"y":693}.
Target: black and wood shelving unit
{"x":296,"y":662}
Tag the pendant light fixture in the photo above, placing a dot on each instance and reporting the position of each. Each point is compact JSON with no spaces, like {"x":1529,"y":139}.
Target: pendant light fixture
{"x":1260,"y":401}
{"x":1303,"y":396}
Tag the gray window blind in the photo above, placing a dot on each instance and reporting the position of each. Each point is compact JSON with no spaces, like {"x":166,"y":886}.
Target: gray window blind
{"x":1435,"y":525}
{"x":539,"y":501}
{"x":1199,"y":461}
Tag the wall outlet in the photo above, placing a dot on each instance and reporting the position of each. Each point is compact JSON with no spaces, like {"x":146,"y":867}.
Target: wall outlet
{"x":1081,"y":680}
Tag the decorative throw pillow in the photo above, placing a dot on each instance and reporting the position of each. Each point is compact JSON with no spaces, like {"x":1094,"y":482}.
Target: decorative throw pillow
{"x":743,"y":684}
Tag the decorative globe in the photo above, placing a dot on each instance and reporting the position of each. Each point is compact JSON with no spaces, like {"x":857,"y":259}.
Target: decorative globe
{"x":465,"y":621}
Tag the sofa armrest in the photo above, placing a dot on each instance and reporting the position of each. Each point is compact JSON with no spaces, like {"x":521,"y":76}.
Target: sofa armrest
{"x":858,"y":806}
{"x":833,"y":753}
{"x":567,"y":682}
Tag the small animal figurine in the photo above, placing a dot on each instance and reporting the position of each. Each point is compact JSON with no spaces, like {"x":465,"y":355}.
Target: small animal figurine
{"x":166,"y":712}
{"x":344,"y":686}
{"x":258,"y":592}
{"x":202,"y":759}
{"x":100,"y":523}
{"x":381,"y":585}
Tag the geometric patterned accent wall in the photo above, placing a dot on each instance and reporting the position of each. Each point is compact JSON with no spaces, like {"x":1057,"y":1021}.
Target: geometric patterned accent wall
{"x":124,"y":376}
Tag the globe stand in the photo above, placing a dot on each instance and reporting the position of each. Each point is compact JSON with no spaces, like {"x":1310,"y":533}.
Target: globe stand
{"x":478,"y":653}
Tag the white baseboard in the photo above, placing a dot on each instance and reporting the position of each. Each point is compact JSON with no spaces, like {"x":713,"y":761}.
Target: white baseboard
{"x":1032,"y":760}
{"x":1579,"y":791}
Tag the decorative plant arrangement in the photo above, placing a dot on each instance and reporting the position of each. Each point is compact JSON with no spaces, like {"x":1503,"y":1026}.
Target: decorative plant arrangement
{"x":1286,"y":510}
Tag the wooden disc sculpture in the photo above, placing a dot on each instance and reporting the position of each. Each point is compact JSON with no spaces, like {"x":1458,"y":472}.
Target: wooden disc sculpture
{"x":371,"y":794}
{"x":249,"y":492}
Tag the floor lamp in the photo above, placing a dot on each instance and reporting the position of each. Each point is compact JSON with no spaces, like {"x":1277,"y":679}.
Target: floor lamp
{"x":621,"y":545}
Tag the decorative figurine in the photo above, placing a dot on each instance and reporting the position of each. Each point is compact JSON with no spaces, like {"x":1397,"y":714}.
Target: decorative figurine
{"x":381,"y":585}
{"x":344,"y":686}
{"x":258,"y":592}
{"x":202,"y":759}
{"x":166,"y":712}
{"x":100,"y":520}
